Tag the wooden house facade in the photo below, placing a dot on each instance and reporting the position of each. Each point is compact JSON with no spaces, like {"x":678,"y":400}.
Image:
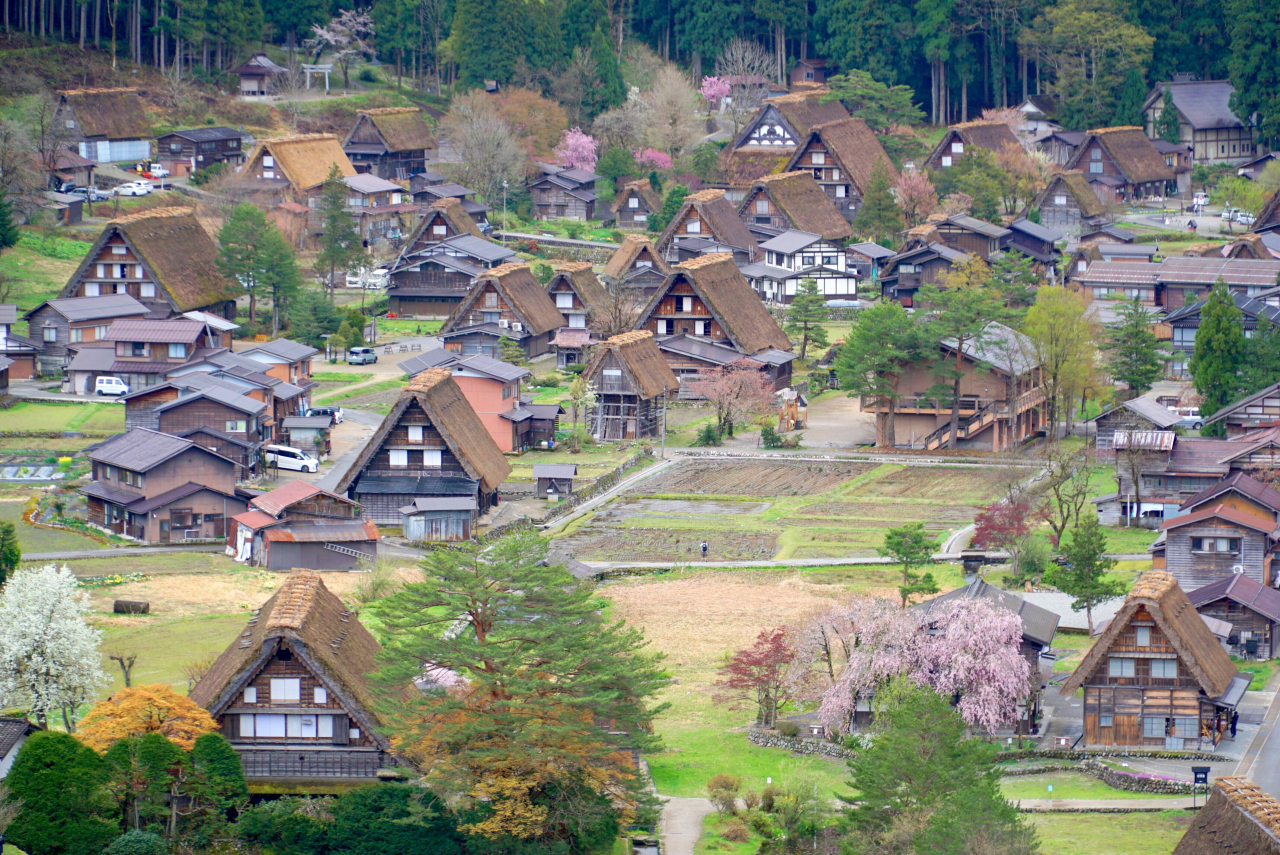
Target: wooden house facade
{"x":105,"y":125}
{"x":842,"y":156}
{"x":564,"y":194}
{"x":301,"y":525}
{"x":1157,"y":678}
{"x":164,"y":259}
{"x":1217,"y":541}
{"x":1252,"y":609}
{"x":1069,"y":205}
{"x":507,"y":301}
{"x":1122,"y":163}
{"x":491,"y":387}
{"x":585,"y":304}
{"x":924,"y":264}
{"x":792,"y":200}
{"x":705,"y":215}
{"x":55,"y":326}
{"x":630,"y":375}
{"x":291,"y":694}
{"x":794,"y":256}
{"x":1138,"y":414}
{"x":430,"y":278}
{"x":1259,"y":410}
{"x":962,"y":139}
{"x":772,"y":136}
{"x":431,"y":445}
{"x":635,"y":203}
{"x":390,"y":142}
{"x":1206,"y":123}
{"x":202,"y":147}
{"x":637,"y":267}
{"x":258,"y":76}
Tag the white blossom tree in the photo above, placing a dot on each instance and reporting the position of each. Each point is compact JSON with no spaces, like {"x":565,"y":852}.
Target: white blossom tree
{"x":347,"y":37}
{"x":49,"y":659}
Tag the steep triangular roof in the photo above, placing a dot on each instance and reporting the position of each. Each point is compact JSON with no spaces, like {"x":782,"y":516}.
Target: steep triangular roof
{"x":632,"y":245}
{"x":1132,"y":152}
{"x":644,"y":189}
{"x":450,"y":210}
{"x":116,"y":114}
{"x":1238,"y":819}
{"x":304,"y":159}
{"x":639,"y":356}
{"x":1158,"y":593}
{"x":451,"y":414}
{"x":321,"y":631}
{"x":401,"y":128}
{"x":800,"y":198}
{"x":522,"y":292}
{"x":720,"y":216}
{"x":1075,"y":184}
{"x":583,"y":280}
{"x":855,"y":147}
{"x":735,"y":306}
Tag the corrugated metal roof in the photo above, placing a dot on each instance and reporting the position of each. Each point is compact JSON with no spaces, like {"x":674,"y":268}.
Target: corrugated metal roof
{"x":1144,"y":440}
{"x":255,"y":519}
{"x":555,"y":470}
{"x":1196,"y":270}
{"x":306,"y":422}
{"x":1120,"y":272}
{"x":345,"y":532}
{"x":295,"y":491}
{"x":94,"y":308}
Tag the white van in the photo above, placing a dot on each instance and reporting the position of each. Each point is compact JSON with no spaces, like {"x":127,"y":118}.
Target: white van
{"x":110,"y":386}
{"x":284,"y":457}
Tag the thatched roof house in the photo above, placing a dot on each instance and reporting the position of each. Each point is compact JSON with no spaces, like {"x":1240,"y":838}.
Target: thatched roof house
{"x":777,"y":129}
{"x":638,"y":356}
{"x":855,"y":148}
{"x":1238,"y":819}
{"x":793,"y":200}
{"x":518,"y":292}
{"x":391,"y":142}
{"x":711,"y":214}
{"x":303,"y":162}
{"x":106,"y":124}
{"x":636,"y":260}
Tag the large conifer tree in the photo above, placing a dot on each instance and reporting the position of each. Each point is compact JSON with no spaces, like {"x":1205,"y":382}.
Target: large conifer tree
{"x":1220,"y":347}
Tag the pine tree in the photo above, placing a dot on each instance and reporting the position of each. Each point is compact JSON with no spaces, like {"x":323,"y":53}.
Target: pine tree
{"x":883,"y":343}
{"x":1254,"y":63}
{"x":670,"y":207}
{"x":1167,"y":126}
{"x":1129,"y":105}
{"x":486,"y":38}
{"x":879,"y":215}
{"x":1084,"y":575}
{"x":280,"y":275}
{"x":1218,"y":358}
{"x":238,"y":250}
{"x":911,"y":547}
{"x":339,"y":237}
{"x":608,"y":91}
{"x":9,"y":233}
{"x":1262,"y":359}
{"x":1135,"y":357}
{"x":806,"y":314}
{"x":511,"y":352}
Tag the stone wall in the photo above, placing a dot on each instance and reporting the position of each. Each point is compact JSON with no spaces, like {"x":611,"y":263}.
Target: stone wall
{"x":796,"y":744}
{"x":1134,"y":782}
{"x":602,"y":484}
{"x":1085,"y":753}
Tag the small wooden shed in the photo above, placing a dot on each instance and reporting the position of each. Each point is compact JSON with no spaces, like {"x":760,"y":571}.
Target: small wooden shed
{"x":554,"y":480}
{"x":439,"y":519}
{"x":308,"y":433}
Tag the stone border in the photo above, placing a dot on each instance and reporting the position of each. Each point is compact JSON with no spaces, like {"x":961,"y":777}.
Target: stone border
{"x":771,"y":739}
{"x":1088,"y":753}
{"x":603,"y":484}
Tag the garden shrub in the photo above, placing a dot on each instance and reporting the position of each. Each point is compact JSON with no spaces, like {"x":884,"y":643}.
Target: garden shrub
{"x":769,"y":437}
{"x":768,"y":796}
{"x":722,"y":790}
{"x":735,"y":831}
{"x":59,"y":780}
{"x":708,"y":435}
{"x":136,"y":842}
{"x":751,"y":799}
{"x":788,"y":728}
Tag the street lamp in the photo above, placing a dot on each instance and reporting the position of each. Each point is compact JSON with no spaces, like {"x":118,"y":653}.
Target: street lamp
{"x":504,"y":210}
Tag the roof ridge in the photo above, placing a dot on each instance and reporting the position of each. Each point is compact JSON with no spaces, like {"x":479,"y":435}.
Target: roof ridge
{"x":708,"y":195}
{"x":153,"y":214}
{"x":1115,"y":128}
{"x":504,"y":269}
{"x":386,"y":111}
{"x":428,"y":379}
{"x":295,"y":599}
{"x":705,"y":260}
{"x":766,"y":179}
{"x":299,"y":138}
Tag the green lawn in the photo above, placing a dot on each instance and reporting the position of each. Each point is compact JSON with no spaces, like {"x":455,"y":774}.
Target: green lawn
{"x":34,"y":277}
{"x":1261,"y":671}
{"x":340,"y":378}
{"x":48,"y":415}
{"x":1127,"y":540}
{"x":342,"y":395}
{"x":40,"y":539}
{"x":1110,"y":833}
{"x":711,"y":841}
{"x":395,"y":328}
{"x":163,"y":649}
{"x":158,"y":563}
{"x":1066,"y":785}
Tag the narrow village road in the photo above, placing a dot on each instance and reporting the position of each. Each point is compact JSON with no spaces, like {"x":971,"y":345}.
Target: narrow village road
{"x":682,"y":824}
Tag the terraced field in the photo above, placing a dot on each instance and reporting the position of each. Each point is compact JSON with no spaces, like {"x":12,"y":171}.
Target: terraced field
{"x":745,"y":478}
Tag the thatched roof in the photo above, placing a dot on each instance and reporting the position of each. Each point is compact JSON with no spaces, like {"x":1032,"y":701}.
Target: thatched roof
{"x":451,"y":414}
{"x":583,"y":280}
{"x":305,"y":159}
{"x":805,"y":109}
{"x":401,"y":128}
{"x":720,"y":217}
{"x":989,"y":135}
{"x":176,"y":250}
{"x":855,"y":148}
{"x":320,"y":630}
{"x":117,"y":114}
{"x":632,"y":245}
{"x":1074,"y":183}
{"x":644,"y":189}
{"x":1270,"y":213}
{"x":523,"y":293}
{"x":639,"y":356}
{"x":798,"y":196}
{"x":737,"y":308}
{"x":1132,"y":152}
{"x":1157,"y":592}
{"x":450,"y":209}
{"x":1238,"y":819}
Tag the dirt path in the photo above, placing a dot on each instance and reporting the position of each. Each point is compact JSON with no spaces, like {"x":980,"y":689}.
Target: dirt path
{"x":682,"y":824}
{"x":346,"y":390}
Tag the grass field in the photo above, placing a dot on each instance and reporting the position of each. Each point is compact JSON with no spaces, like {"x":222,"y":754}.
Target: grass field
{"x":1261,"y":671}
{"x":711,"y":843}
{"x":390,"y":329}
{"x":1066,"y":785}
{"x":1110,"y":833}
{"x":47,"y":415}
{"x":40,"y":539}
{"x":164,"y":649}
{"x":35,"y":277}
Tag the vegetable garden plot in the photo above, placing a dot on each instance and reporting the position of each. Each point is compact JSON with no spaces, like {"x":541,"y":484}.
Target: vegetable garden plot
{"x":648,"y":544}
{"x":748,"y":478}
{"x":939,"y":483}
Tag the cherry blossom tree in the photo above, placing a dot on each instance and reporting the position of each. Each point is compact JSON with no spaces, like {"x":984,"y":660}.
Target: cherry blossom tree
{"x":347,"y":37}
{"x":713,"y":89}
{"x":916,"y":197}
{"x":576,"y":150}
{"x":738,"y":391}
{"x":757,"y":675}
{"x":955,"y":203}
{"x":651,"y":158}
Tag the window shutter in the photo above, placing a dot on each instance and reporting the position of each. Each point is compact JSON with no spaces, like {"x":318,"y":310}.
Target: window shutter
{"x":231,"y":726}
{"x":341,"y":730}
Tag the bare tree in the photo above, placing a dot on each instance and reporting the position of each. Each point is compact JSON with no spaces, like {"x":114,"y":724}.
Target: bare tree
{"x":174,"y":87}
{"x":195,"y":670}
{"x":623,"y":127}
{"x":47,"y":133}
{"x":620,"y":314}
{"x":747,"y":66}
{"x":18,"y":158}
{"x":572,"y":85}
{"x":672,"y":109}
{"x":1065,"y":486}
{"x":489,"y":150}
{"x":347,"y":37}
{"x":291,"y":86}
{"x":125,"y":661}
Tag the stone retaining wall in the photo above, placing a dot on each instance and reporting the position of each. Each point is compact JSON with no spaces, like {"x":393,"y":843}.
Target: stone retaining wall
{"x":1085,"y":753}
{"x":602,"y":484}
{"x":797,"y":745}
{"x":1134,"y":782}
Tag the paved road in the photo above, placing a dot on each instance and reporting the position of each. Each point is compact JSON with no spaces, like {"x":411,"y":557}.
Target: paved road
{"x":682,"y":824}
{"x":110,"y":552}
{"x":1261,"y":762}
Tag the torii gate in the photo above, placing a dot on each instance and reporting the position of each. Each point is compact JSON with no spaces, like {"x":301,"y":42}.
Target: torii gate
{"x":318,"y":69}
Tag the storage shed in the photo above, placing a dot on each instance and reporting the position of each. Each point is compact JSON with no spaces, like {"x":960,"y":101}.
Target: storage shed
{"x":554,"y":480}
{"x":439,"y":519}
{"x":309,"y":433}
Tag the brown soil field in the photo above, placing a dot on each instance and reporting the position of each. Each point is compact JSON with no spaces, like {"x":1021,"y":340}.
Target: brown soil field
{"x":604,"y":543}
{"x":743,"y":478}
{"x":885,"y":512}
{"x":933,"y":482}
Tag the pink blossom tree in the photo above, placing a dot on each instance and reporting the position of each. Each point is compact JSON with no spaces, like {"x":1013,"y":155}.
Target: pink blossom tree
{"x":576,"y":150}
{"x":651,"y":158}
{"x":713,"y":89}
{"x":916,"y":197}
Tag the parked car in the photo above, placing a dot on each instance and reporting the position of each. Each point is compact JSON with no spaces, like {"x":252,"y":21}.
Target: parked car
{"x":1244,"y":218}
{"x":1190,"y":422}
{"x":333,"y":412}
{"x":361,"y":356}
{"x":1200,"y":199}
{"x":110,"y":386}
{"x":284,"y":457}
{"x":379,"y":278}
{"x":134,"y":188}
{"x":90,"y":194}
{"x":157,"y":171}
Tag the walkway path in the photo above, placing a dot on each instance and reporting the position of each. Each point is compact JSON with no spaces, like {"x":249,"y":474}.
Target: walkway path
{"x":347,"y":390}
{"x":1107,"y":805}
{"x":682,"y":824}
{"x":110,"y":552}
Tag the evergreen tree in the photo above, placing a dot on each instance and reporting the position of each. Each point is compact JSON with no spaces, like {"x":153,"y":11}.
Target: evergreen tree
{"x":9,"y":232}
{"x":608,"y":91}
{"x":139,"y":775}
{"x":310,"y":317}
{"x":1253,"y":61}
{"x":1167,"y":126}
{"x":911,"y":547}
{"x":670,"y":207}
{"x":1261,"y":363}
{"x":238,"y":256}
{"x":883,"y":343}
{"x":703,"y":28}
{"x":617,"y":164}
{"x":280,"y":275}
{"x":879,"y":215}
{"x":10,"y":551}
{"x":977,"y":176}
{"x":1219,"y":354}
{"x":805,"y":316}
{"x":579,"y":21}
{"x":340,"y":246}
{"x":295,"y":17}
{"x":1135,"y":357}
{"x":64,"y":808}
{"x":511,"y":352}
{"x":486,"y":38}
{"x":1014,"y":276}
{"x":1084,"y":574}
{"x":1129,"y":105}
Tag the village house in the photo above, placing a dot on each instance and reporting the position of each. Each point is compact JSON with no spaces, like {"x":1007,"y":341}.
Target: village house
{"x":794,"y":256}
{"x":431,"y":278}
{"x":1255,"y":166}
{"x":202,"y":147}
{"x":791,"y":200}
{"x":1035,"y":242}
{"x":772,"y":136}
{"x":20,"y":350}
{"x":492,"y":388}
{"x":630,"y":374}
{"x":1122,"y":165}
{"x":390,"y":142}
{"x":1034,"y":122}
{"x":1001,"y":396}
{"x":291,"y":693}
{"x":1061,"y":146}
{"x":162,"y":258}
{"x":56,"y":324}
{"x":1217,"y":540}
{"x":431,"y":187}
{"x":1185,"y":322}
{"x":1252,"y":609}
{"x":432,"y":445}
{"x":1156,"y":471}
{"x":563,"y":194}
{"x":140,"y":352}
{"x":1205,"y":120}
{"x":105,"y":125}
{"x":294,"y":169}
{"x":1251,"y":413}
{"x":1178,"y":158}
{"x":704,"y":215}
{"x":1069,"y":205}
{"x":1157,"y":678}
{"x":706,"y":315}
{"x":811,"y":71}
{"x":69,"y":171}
{"x":505,"y":302}
{"x":637,"y":267}
{"x":1187,"y":279}
{"x":866,"y":259}
{"x":927,"y":262}
{"x":300,"y":525}
{"x":247,"y":375}
{"x":309,"y":434}
{"x":585,"y":304}
{"x":1109,"y":233}
{"x":1239,"y":815}
{"x":285,"y":360}
{"x":1137,"y":414}
{"x":1256,"y":247}
{"x":441,"y":219}
{"x":13,"y":733}
{"x":635,"y":203}
{"x":157,"y":488}
{"x":963,"y":138}
{"x":258,"y":75}
{"x":553,"y":481}
{"x":1039,"y":626}
{"x":378,"y":206}
{"x":1116,"y":271}
{"x":842,"y":155}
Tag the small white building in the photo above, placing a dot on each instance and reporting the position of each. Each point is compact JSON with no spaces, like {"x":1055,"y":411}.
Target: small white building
{"x":794,"y":256}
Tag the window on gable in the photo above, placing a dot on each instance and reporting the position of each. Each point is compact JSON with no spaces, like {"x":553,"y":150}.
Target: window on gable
{"x":399,"y":458}
{"x":1143,"y":634}
{"x":1060,"y":199}
{"x":957,"y":148}
{"x":819,"y":158}
{"x":285,"y":689}
{"x":633,"y":203}
{"x":1095,"y":168}
{"x":1164,"y":668}
{"x":250,"y":697}
{"x":1120,"y":666}
{"x":693,"y":227}
{"x":946,"y":160}
{"x":321,"y":695}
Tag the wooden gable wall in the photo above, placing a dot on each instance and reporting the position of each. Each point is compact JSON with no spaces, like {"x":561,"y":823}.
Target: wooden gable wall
{"x":681,"y":307}
{"x":398,"y":439}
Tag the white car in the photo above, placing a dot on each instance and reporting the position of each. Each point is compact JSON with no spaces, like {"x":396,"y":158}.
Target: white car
{"x":134,"y":188}
{"x":110,"y":386}
{"x":284,"y":457}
